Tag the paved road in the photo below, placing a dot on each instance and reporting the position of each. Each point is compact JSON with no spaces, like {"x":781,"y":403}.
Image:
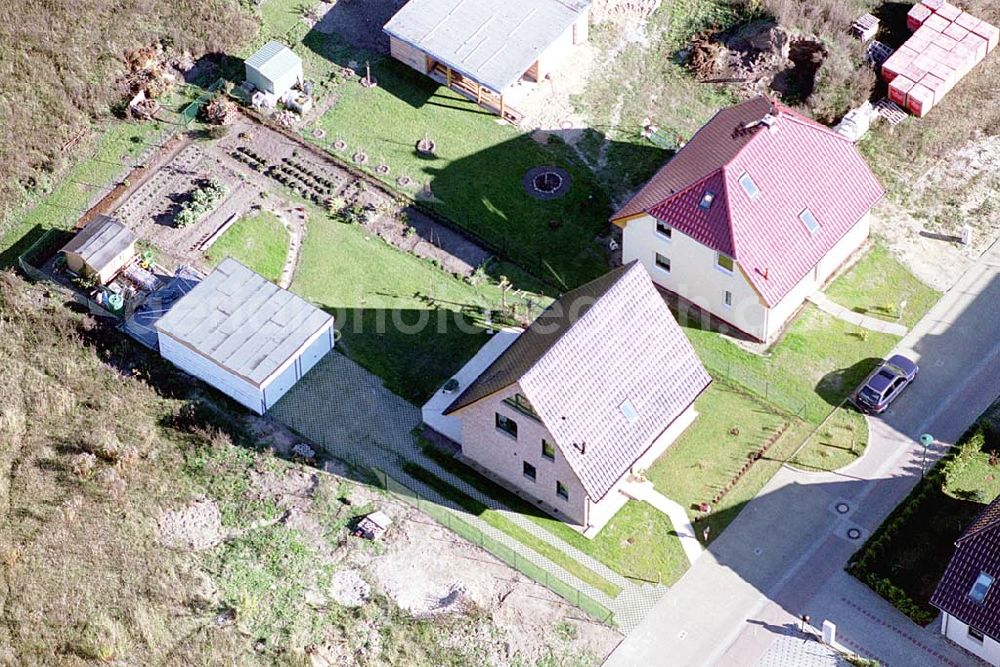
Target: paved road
{"x":785,"y":554}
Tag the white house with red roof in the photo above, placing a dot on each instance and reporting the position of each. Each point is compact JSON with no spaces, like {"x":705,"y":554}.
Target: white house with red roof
{"x":752,"y":215}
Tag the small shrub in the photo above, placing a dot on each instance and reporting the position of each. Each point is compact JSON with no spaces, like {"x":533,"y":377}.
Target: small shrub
{"x":83,"y":465}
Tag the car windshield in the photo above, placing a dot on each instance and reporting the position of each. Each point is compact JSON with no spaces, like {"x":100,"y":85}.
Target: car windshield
{"x":870,"y":395}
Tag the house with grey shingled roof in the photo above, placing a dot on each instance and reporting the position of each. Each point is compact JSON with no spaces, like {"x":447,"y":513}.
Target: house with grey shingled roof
{"x":595,"y":389}
{"x":244,"y":335}
{"x":968,"y":594}
{"x":482,"y":48}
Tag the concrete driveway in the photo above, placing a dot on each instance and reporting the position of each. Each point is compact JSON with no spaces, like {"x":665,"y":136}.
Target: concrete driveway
{"x":785,"y":553}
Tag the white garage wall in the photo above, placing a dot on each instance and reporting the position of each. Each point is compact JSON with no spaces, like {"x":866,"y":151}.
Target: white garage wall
{"x":240,"y":390}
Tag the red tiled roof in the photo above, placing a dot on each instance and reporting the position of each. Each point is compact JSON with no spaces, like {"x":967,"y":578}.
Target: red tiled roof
{"x":976,"y":551}
{"x":797,"y":164}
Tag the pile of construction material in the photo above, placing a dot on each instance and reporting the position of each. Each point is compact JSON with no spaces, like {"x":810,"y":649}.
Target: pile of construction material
{"x":946,"y":44}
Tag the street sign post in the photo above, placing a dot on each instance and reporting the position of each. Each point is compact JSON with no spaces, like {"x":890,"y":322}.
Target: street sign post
{"x":926,"y":440}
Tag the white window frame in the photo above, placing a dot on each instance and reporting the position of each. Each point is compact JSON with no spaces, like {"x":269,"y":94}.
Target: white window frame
{"x":669,"y":237}
{"x":656,"y":263}
{"x":805,"y":215}
{"x":727,"y":298}
{"x":564,"y":488}
{"x":749,"y":179}
{"x":723,"y":269}
{"x":979,"y":636}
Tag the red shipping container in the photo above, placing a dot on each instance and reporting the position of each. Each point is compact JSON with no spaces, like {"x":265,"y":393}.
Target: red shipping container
{"x":955,"y":31}
{"x":919,"y":100}
{"x":977,"y":45}
{"x":916,"y":16}
{"x":936,"y":86}
{"x":936,"y":22}
{"x":933,"y":5}
{"x":898,"y":89}
{"x":990,"y":32}
{"x":967,"y":21}
{"x":948,"y":11}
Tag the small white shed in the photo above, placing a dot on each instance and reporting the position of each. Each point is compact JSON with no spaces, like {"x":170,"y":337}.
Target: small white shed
{"x":244,"y":335}
{"x":274,"y":69}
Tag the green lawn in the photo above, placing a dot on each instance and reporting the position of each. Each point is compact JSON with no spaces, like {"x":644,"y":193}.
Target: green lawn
{"x":815,"y":365}
{"x":905,"y":558}
{"x":259,"y":241}
{"x":113,"y":146}
{"x":503,"y":524}
{"x":639,"y":542}
{"x":878,"y":284}
{"x":838,"y":442}
{"x":401,"y":317}
{"x":731,"y":425}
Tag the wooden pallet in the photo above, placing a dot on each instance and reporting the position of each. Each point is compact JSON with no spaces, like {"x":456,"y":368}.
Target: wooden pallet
{"x":891,"y":111}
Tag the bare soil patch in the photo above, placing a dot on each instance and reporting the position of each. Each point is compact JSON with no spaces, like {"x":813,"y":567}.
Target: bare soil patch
{"x":962,"y":188}
{"x":196,"y":527}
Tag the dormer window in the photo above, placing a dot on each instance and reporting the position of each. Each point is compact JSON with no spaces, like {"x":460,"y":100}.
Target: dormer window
{"x":749,"y":186}
{"x":706,"y":200}
{"x":981,"y":587}
{"x":664,"y":230}
{"x":809,"y":220}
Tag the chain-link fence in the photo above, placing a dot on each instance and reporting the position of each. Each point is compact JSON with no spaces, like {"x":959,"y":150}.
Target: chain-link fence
{"x":452,"y":522}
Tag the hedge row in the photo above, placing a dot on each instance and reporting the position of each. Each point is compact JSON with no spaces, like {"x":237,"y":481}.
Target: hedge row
{"x":862,"y":564}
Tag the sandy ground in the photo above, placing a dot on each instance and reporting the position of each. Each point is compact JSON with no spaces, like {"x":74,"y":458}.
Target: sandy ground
{"x":196,"y":527}
{"x":426,"y":570}
{"x":962,"y":189}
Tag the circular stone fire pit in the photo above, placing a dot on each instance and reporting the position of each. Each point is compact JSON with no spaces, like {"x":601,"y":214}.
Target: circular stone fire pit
{"x":546,"y":183}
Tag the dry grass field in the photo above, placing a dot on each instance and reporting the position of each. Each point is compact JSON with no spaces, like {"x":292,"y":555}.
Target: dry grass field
{"x":60,"y":62}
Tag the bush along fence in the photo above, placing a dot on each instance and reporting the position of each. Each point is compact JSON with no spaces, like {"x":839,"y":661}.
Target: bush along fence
{"x":863,"y":564}
{"x":454,"y":523}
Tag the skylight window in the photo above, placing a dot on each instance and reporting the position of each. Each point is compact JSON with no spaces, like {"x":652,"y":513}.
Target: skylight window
{"x":629,"y":411}
{"x":809,"y":220}
{"x":749,"y":186}
{"x":706,"y":200}
{"x":981,"y":587}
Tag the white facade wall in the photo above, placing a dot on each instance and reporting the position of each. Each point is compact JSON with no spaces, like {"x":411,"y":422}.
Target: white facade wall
{"x":278,"y":85}
{"x":695,"y":276}
{"x":259,"y":399}
{"x":201,"y":367}
{"x":958,"y":632}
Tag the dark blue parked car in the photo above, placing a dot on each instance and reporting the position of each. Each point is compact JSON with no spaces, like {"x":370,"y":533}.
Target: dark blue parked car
{"x":885,"y":383}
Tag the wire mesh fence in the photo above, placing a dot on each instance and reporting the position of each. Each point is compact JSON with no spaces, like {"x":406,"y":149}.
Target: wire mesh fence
{"x":511,"y":557}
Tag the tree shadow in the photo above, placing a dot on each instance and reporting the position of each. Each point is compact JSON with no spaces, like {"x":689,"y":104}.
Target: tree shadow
{"x":837,"y":385}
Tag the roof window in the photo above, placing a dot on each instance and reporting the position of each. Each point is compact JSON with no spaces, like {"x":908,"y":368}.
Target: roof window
{"x":749,"y":186}
{"x":981,"y":587}
{"x":706,"y":200}
{"x":629,"y":411}
{"x":809,"y":220}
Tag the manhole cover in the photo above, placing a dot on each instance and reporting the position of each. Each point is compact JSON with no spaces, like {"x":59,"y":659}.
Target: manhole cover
{"x":546,"y":182}
{"x":854,"y":533}
{"x":843,"y":508}
{"x":758,"y":551}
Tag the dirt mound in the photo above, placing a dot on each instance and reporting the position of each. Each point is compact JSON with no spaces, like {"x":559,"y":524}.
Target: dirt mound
{"x":759,"y":57}
{"x":196,"y":527}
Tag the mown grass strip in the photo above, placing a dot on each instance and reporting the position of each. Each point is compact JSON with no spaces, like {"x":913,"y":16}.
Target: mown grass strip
{"x":496,"y":520}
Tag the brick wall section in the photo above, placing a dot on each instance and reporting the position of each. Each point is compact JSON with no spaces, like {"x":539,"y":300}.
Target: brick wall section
{"x":497,"y":451}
